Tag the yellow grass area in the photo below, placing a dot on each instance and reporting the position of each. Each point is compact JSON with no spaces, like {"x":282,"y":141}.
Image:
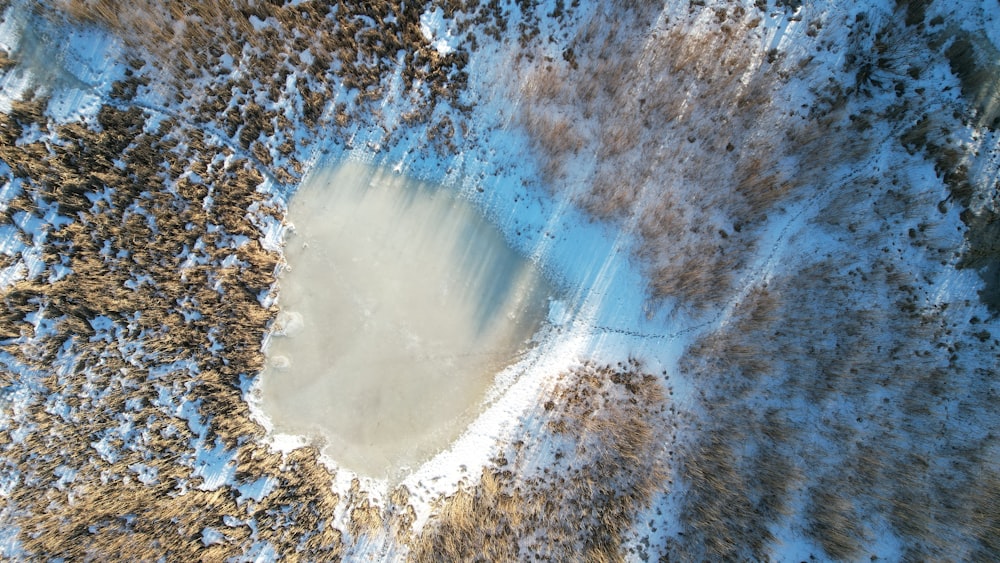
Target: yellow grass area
{"x":683,"y":138}
{"x":606,"y":427}
{"x":206,"y":57}
{"x":106,"y":384}
{"x":843,"y":414}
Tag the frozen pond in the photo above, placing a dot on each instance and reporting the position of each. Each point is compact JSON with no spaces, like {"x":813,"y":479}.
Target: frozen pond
{"x":400,"y":305}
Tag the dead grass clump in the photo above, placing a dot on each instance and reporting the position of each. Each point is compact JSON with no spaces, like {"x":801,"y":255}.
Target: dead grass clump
{"x":610,"y":197}
{"x":553,"y":132}
{"x":733,"y":499}
{"x":401,"y":515}
{"x":741,"y":364}
{"x":108,"y":247}
{"x":544,"y":83}
{"x":833,"y":522}
{"x":616,"y":139}
{"x":684,"y":135}
{"x":985,"y":517}
{"x":603,"y":422}
{"x":366,"y":519}
{"x":5,"y":61}
{"x":974,"y":61}
{"x":701,"y":276}
{"x":761,"y":186}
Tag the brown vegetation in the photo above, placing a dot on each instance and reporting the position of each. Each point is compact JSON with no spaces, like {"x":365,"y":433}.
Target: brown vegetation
{"x":797,"y":383}
{"x":571,"y":489}
{"x":684,"y":135}
{"x":332,"y":49}
{"x":807,"y":387}
{"x":844,"y":406}
{"x":142,"y":230}
{"x":833,"y":523}
{"x":972,"y":59}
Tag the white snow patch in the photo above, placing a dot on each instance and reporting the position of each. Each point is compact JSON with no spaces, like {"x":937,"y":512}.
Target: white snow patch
{"x":211,"y":536}
{"x":215,"y":466}
{"x":147,"y":475}
{"x":274,"y":233}
{"x":9,"y":481}
{"x":256,"y":490}
{"x":259,"y":552}
{"x":436,"y":30}
{"x":10,"y":543}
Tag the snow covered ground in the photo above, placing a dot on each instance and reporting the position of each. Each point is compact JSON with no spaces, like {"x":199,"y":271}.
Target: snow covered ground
{"x":782,"y":213}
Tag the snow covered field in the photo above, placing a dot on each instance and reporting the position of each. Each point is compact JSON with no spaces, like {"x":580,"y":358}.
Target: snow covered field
{"x":772,"y":225}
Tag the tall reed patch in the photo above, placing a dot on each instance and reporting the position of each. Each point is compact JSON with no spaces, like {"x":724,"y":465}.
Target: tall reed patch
{"x":569,"y":489}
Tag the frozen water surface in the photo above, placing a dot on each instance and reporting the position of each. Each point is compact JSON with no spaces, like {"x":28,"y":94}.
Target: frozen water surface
{"x":399,"y":306}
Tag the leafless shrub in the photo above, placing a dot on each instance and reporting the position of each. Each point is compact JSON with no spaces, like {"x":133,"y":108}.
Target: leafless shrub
{"x":701,"y":274}
{"x":544,"y":83}
{"x":760,"y":186}
{"x":616,"y":139}
{"x":611,"y":196}
{"x":553,"y":133}
{"x":719,"y":511}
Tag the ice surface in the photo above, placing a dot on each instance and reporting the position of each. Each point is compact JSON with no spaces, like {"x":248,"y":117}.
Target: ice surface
{"x":399,"y":305}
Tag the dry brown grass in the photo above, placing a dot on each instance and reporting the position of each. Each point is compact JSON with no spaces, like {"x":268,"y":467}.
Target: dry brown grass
{"x":720,"y":510}
{"x":174,"y":44}
{"x":887,"y":454}
{"x":833,"y":522}
{"x":605,"y":422}
{"x":554,"y":132}
{"x":733,"y":498}
{"x":684,"y":137}
{"x":119,"y":516}
{"x":365,"y":516}
{"x":985,"y":516}
{"x":401,"y":515}
{"x":973,"y":59}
